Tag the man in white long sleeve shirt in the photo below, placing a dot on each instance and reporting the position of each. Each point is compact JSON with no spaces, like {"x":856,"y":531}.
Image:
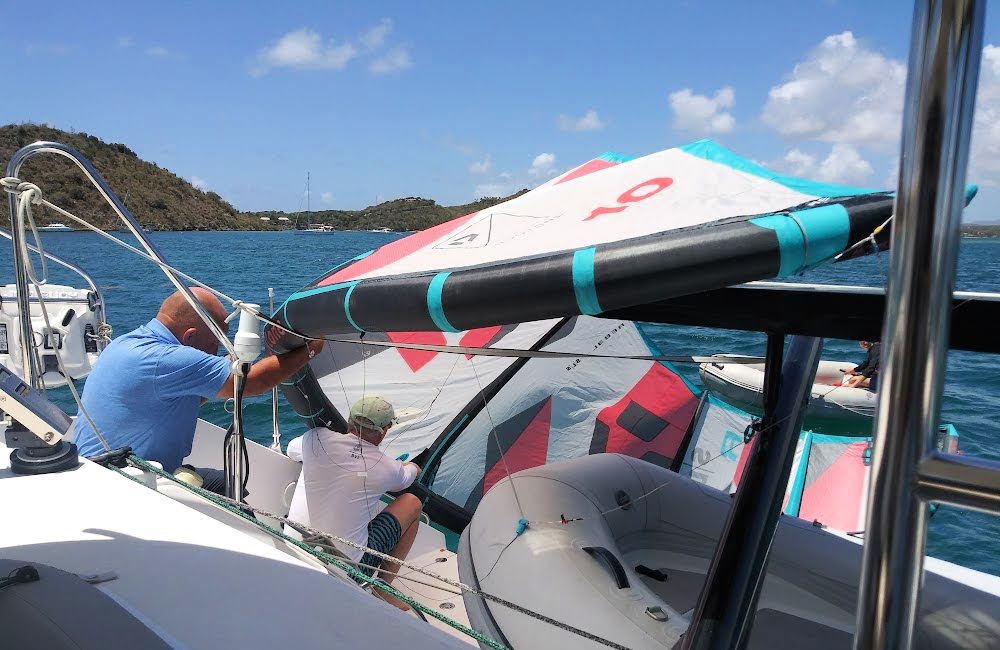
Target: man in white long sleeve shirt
{"x":344,"y":475}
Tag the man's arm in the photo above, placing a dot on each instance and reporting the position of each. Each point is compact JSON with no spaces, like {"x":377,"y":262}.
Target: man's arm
{"x":405,"y":475}
{"x":272,"y":370}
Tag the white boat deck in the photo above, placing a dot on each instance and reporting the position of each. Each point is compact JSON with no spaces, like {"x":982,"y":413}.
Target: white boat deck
{"x":197,"y":582}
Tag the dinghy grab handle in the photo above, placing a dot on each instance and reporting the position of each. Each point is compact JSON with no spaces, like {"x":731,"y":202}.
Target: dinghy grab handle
{"x":608,"y":558}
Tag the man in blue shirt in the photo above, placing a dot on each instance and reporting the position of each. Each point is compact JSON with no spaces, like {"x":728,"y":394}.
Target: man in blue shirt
{"x":147,"y":386}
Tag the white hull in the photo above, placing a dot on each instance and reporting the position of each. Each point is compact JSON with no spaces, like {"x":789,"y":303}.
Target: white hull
{"x":742,"y":385}
{"x":75,"y":318}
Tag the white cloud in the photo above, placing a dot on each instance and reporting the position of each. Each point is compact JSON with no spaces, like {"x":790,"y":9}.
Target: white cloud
{"x":702,"y":114}
{"x":543,"y":165}
{"x":798,"y":163}
{"x":304,"y":49}
{"x":200,"y":183}
{"x":124,"y":41}
{"x":396,"y":59}
{"x":157,"y":51}
{"x":843,"y":164}
{"x":482,"y":167}
{"x":841,"y":92}
{"x":326,"y":198}
{"x":503,"y":185}
{"x":589,"y":122}
{"x":374,"y":38}
{"x":984,"y":158}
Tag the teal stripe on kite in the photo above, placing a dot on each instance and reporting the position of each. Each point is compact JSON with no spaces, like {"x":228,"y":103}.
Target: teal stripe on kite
{"x":654,"y":350}
{"x":827,"y":230}
{"x":347,"y":305}
{"x":613,"y":157}
{"x":791,"y":241}
{"x":434,"y":303}
{"x":808,"y":237}
{"x":312,"y":292}
{"x":437,"y":449}
{"x":709,"y":150}
{"x":832,"y":439}
{"x":583,"y":282}
{"x":799,"y":484}
{"x":346,"y":262}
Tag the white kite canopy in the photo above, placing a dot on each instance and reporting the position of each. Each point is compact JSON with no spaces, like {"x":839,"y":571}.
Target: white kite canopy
{"x":542,"y":409}
{"x":611,"y":233}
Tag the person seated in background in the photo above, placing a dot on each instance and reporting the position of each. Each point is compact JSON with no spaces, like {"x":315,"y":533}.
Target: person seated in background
{"x":866,"y":374}
{"x":344,"y":475}
{"x":147,"y":386}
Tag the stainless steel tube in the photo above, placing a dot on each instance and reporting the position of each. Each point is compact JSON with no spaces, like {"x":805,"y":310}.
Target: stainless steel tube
{"x":941,"y":86}
{"x":276,"y":430}
{"x":14,"y":168}
{"x":235,"y":449}
{"x":960,"y":480}
{"x":724,"y":614}
{"x":30,"y":365}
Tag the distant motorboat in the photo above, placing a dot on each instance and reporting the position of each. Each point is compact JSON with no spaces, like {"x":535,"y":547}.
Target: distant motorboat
{"x":55,"y":226}
{"x":318,"y":228}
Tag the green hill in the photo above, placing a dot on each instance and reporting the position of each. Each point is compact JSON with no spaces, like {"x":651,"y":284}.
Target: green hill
{"x":161,"y":200}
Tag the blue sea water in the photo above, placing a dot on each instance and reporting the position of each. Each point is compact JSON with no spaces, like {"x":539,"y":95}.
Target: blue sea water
{"x":244,"y":265}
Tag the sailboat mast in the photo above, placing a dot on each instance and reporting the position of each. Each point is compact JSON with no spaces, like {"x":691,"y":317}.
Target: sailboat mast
{"x":308,"y":193}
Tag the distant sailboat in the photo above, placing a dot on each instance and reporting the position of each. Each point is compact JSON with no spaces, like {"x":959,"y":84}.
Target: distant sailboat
{"x":314,"y":228}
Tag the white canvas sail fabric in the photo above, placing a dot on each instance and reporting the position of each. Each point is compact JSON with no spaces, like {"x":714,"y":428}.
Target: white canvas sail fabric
{"x":556,"y":409}
{"x":427,"y":389}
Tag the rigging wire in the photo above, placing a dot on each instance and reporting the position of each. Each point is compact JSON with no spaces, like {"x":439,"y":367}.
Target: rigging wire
{"x":24,"y":200}
{"x":496,"y":439}
{"x":236,"y":507}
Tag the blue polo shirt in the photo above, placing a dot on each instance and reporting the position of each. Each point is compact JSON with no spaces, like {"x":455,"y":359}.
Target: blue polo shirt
{"x":144,"y":392}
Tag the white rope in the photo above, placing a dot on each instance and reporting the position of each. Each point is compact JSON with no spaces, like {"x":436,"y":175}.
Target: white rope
{"x":28,"y":193}
{"x":503,"y":454}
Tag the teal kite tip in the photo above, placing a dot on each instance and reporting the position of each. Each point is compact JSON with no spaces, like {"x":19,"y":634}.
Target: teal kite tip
{"x":970,"y":192}
{"x":522,"y":524}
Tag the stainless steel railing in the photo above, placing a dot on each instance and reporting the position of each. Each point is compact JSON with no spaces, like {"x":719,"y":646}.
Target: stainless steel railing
{"x":30,"y":360}
{"x":907,"y":474}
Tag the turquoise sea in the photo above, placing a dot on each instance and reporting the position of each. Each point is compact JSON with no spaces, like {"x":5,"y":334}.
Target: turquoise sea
{"x":244,"y":265}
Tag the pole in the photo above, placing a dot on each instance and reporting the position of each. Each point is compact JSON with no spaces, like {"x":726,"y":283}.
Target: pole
{"x":727,"y":604}
{"x":945,"y":50}
{"x":276,"y":432}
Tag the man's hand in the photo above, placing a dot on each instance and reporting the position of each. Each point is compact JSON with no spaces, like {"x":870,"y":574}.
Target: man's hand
{"x":855,"y":381}
{"x":315,"y":347}
{"x":272,"y":370}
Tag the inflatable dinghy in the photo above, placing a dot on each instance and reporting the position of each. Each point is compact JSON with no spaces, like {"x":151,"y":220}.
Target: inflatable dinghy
{"x":629,"y":562}
{"x":742,"y":385}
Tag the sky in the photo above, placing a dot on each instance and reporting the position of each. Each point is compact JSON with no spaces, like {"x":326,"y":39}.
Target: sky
{"x":458,"y":100}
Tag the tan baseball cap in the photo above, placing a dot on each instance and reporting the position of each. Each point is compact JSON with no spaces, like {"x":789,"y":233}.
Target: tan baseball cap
{"x":372,"y":412}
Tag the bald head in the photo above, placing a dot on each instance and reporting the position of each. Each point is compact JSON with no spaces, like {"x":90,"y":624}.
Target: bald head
{"x":184,"y":322}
